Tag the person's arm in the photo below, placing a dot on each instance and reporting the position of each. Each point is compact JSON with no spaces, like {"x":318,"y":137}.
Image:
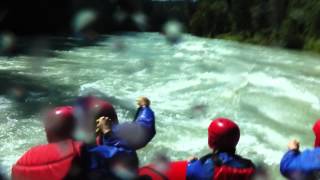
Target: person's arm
{"x":126,"y":135}
{"x":146,"y":121}
{"x":290,"y":163}
{"x":299,"y":164}
{"x":143,"y":127}
{"x":146,"y":118}
{"x":113,"y":138}
{"x":110,"y":133}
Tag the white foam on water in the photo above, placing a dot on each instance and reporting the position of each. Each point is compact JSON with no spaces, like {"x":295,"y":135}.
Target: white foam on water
{"x":189,"y":84}
{"x":283,"y":87}
{"x":14,"y":140}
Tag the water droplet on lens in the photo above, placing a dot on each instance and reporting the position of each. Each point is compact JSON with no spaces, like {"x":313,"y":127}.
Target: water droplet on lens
{"x":173,"y":31}
{"x":7,"y":42}
{"x":140,"y":20}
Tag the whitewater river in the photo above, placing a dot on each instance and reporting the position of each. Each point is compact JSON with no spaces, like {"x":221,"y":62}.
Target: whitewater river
{"x":273,"y":94}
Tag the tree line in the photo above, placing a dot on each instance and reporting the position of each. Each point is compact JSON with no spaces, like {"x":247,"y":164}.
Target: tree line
{"x":287,"y":23}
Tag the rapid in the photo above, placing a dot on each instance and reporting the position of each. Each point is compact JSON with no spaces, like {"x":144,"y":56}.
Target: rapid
{"x":273,"y":94}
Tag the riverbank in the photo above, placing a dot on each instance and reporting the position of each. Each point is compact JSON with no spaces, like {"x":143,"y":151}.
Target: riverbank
{"x":309,"y":45}
{"x":289,"y":24}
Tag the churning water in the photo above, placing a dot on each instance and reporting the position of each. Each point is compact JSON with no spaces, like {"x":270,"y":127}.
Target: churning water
{"x":273,"y":94}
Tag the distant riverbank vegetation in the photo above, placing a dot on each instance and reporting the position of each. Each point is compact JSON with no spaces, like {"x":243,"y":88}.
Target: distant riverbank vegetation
{"x":286,"y":23}
{"x":292,"y":24}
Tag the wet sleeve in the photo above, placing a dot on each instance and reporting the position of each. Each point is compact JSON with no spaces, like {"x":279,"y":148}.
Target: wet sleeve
{"x":304,"y":163}
{"x":145,"y":118}
{"x":289,"y":163}
{"x":143,"y":129}
{"x":113,"y":139}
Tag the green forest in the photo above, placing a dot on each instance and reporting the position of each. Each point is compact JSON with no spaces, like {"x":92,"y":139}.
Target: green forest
{"x":292,"y":24}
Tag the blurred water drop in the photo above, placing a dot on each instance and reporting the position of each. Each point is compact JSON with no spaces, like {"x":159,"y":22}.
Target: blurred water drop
{"x":261,"y":172}
{"x":7,"y":43}
{"x":40,"y":47}
{"x":173,"y":31}
{"x":126,"y":131}
{"x":198,"y":110}
{"x":161,"y":157}
{"x":83,"y":19}
{"x":82,"y":24}
{"x":17,"y":93}
{"x":39,"y":50}
{"x":123,"y":172}
{"x":84,"y":135}
{"x":161,"y":162}
{"x":140,"y":20}
{"x":119,"y":45}
{"x":119,"y":16}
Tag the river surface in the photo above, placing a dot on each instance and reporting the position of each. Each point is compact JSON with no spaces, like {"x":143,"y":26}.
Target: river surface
{"x":273,"y":94}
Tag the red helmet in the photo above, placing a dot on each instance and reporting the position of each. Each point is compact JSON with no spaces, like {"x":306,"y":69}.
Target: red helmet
{"x":94,"y":108}
{"x":87,"y":111}
{"x":223,"y":134}
{"x":103,"y":108}
{"x":59,"y":123}
{"x":316,"y":131}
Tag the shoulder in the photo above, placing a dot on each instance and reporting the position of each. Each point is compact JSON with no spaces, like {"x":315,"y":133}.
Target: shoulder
{"x":202,"y":168}
{"x":50,"y":160}
{"x":308,"y":154}
{"x":311,"y":151}
{"x":50,"y":153}
{"x":147,"y":109}
{"x":238,"y":161}
{"x":146,"y":113}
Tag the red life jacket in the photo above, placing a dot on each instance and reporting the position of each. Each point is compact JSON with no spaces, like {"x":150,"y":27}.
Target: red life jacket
{"x":225,"y":172}
{"x":175,"y":171}
{"x":50,"y":161}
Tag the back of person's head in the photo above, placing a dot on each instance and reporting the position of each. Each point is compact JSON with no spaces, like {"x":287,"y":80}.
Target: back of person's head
{"x":59,"y":124}
{"x":87,"y":111}
{"x":223,"y":135}
{"x":125,"y":166}
{"x":316,"y":131}
{"x":94,"y":108}
{"x":143,"y":101}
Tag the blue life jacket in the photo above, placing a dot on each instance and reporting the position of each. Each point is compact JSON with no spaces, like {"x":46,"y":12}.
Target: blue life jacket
{"x":102,"y":159}
{"x":224,"y":165}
